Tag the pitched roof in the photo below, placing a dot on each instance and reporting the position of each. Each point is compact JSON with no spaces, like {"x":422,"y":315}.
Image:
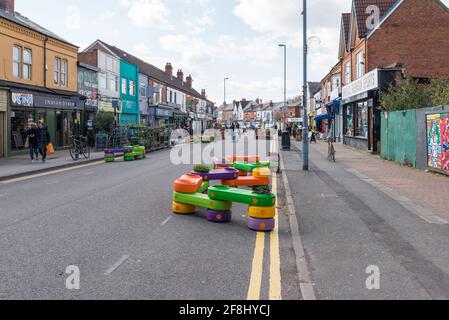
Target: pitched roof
{"x":346,"y":23}
{"x":27,"y":23}
{"x":153,"y":72}
{"x":360,"y":7}
{"x":314,"y":87}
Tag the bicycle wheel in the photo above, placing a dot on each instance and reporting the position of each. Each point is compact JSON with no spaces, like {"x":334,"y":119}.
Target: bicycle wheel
{"x":73,"y":153}
{"x":86,"y":151}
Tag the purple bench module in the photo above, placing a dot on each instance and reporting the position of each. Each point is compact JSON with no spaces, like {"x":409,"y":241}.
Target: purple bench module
{"x":114,"y":151}
{"x":221,"y":174}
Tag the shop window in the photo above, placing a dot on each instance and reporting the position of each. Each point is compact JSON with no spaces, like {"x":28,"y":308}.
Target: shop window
{"x":16,"y":53}
{"x":349,"y":114}
{"x":361,"y":128}
{"x":20,"y":120}
{"x":27,"y":62}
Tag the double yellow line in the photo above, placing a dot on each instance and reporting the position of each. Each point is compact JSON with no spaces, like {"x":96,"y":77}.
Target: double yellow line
{"x":275,"y":287}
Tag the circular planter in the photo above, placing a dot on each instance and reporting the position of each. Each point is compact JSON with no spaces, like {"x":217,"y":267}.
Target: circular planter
{"x":261,"y":224}
{"x":179,"y":208}
{"x":219,"y":216}
{"x":262,"y":212}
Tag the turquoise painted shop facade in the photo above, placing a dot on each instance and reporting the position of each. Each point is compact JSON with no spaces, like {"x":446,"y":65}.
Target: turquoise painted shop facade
{"x":129,"y":93}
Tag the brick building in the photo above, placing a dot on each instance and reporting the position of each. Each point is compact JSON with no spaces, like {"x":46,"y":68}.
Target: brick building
{"x":382,"y":42}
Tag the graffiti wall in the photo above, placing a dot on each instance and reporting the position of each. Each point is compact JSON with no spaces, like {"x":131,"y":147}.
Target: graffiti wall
{"x":438,"y":141}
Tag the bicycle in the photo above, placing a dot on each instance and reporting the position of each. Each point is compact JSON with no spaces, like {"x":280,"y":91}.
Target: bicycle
{"x":79,"y":147}
{"x":331,"y":151}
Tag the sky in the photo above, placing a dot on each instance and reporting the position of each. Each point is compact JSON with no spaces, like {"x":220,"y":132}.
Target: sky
{"x":209,"y":39}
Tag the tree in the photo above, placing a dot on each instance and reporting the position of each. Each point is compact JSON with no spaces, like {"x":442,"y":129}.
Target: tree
{"x":407,"y":95}
{"x":439,"y":92}
{"x":104,"y":121}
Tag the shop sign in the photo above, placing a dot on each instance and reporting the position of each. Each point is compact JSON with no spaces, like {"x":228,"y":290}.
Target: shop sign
{"x":163,"y":113}
{"x":369,"y":81}
{"x":22,"y":99}
{"x":106,"y":106}
{"x":53,"y":102}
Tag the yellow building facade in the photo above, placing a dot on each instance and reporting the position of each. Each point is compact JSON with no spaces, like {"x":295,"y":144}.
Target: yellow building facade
{"x":38,"y":81}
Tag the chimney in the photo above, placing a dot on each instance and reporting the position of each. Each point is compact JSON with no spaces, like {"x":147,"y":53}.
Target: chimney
{"x":7,"y":5}
{"x":168,"y":69}
{"x":203,"y":92}
{"x":180,"y":75}
{"x":189,"y":81}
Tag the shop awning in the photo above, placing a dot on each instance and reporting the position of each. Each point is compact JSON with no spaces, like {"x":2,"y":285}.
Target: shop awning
{"x":335,"y":105}
{"x":323,"y":117}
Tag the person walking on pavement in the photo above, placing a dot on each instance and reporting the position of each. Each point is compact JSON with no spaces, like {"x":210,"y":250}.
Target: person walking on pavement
{"x":31,"y":135}
{"x":43,"y":139}
{"x":313,"y":137}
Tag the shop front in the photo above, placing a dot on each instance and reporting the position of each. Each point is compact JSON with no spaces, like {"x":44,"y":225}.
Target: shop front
{"x":62,"y":115}
{"x":3,"y":113}
{"x":361,"y":109}
{"x":160,"y":115}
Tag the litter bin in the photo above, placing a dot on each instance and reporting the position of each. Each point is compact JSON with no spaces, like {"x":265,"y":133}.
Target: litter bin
{"x":286,"y":143}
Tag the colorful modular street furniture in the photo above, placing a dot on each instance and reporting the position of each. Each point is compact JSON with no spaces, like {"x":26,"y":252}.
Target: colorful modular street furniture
{"x":130,"y":153}
{"x":219,"y":174}
{"x":249,"y":167}
{"x":193,"y":190}
{"x":249,"y":159}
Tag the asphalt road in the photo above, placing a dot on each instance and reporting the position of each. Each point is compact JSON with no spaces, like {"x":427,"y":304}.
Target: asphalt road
{"x":114,"y":222}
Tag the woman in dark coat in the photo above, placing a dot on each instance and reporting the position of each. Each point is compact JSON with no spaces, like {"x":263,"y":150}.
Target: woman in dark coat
{"x":43,"y":139}
{"x":31,"y":134}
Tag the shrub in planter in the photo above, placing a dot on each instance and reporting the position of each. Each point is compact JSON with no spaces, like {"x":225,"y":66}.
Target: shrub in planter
{"x":201,"y":168}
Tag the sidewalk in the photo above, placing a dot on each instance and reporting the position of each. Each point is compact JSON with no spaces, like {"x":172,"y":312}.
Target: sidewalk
{"x":427,"y":190}
{"x":363,"y":211}
{"x":21,"y":165}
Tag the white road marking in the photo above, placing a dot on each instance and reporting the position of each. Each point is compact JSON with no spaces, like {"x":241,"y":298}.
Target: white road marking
{"x":116,"y":265}
{"x":166,"y":221}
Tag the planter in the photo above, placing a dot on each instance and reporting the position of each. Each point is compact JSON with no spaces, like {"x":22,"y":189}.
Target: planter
{"x":189,"y":183}
{"x":261,"y":224}
{"x":219,"y":216}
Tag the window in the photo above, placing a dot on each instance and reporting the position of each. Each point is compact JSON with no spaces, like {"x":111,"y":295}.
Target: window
{"x":360,"y":65}
{"x":16,"y":53}
{"x":102,"y":81}
{"x":57,"y":70}
{"x":349,"y":121}
{"x":27,"y":62}
{"x":64,"y":73}
{"x":348,"y":73}
{"x":113,"y":83}
{"x":109,"y":64}
{"x":132,"y":88}
{"x":102,"y":61}
{"x":176,"y":98}
{"x":124,"y":86}
{"x":361,"y":126}
{"x":171,"y":96}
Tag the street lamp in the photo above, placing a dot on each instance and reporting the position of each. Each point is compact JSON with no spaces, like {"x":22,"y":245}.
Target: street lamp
{"x":305,"y":139}
{"x":224,"y":95}
{"x":285,"y":84}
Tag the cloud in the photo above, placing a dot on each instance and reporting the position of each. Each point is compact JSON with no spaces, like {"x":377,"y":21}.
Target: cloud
{"x":200,"y":24}
{"x":147,"y":14}
{"x":73,"y":18}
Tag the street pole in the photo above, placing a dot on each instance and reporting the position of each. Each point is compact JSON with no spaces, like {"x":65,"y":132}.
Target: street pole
{"x":285,"y":104}
{"x":305,"y":138}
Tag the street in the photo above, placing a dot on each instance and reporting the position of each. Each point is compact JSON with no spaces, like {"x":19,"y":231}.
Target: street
{"x":114,"y":222}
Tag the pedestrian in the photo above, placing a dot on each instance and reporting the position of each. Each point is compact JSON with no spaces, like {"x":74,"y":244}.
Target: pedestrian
{"x":31,"y":136}
{"x":313,"y":137}
{"x":43,"y":139}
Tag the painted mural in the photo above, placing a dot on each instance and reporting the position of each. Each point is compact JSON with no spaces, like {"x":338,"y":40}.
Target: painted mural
{"x":438,"y":141}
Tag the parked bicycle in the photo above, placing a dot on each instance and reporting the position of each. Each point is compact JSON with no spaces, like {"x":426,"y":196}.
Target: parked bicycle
{"x":79,"y":147}
{"x":331,"y":151}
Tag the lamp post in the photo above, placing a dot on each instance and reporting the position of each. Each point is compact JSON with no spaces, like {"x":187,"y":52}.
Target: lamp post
{"x":285,"y":85}
{"x":224,"y":93}
{"x":305,"y":149}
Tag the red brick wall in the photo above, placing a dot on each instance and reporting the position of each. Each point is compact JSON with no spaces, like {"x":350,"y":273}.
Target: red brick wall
{"x":417,"y":35}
